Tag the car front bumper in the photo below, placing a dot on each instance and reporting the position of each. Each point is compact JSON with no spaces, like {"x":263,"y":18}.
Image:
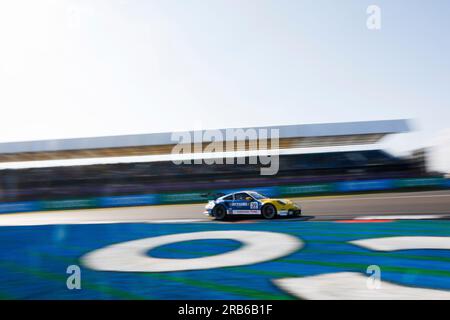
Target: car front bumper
{"x":290,"y":212}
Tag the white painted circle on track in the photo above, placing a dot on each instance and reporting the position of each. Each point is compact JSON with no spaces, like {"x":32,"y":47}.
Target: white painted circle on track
{"x":132,"y":256}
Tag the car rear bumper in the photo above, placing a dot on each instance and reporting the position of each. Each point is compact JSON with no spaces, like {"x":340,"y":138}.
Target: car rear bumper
{"x":208,"y":213}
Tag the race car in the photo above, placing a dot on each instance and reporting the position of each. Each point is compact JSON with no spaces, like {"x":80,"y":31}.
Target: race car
{"x":250,"y":202}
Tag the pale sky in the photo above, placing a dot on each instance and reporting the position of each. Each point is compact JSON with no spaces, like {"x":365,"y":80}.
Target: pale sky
{"x":91,"y":68}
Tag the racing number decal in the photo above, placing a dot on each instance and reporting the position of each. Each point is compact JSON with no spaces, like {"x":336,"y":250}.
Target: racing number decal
{"x":341,"y":285}
{"x":253,"y":205}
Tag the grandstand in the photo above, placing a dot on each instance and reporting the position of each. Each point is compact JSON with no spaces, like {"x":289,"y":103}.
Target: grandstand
{"x":290,"y":136}
{"x":65,"y":182}
{"x":165,"y":176}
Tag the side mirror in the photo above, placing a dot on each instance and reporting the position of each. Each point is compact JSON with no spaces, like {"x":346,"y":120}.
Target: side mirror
{"x":248,"y":198}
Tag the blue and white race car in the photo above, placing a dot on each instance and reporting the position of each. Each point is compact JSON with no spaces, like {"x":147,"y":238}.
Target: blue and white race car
{"x":250,"y":202}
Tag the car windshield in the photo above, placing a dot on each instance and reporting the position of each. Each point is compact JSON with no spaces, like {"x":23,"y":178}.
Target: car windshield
{"x":257,"y":196}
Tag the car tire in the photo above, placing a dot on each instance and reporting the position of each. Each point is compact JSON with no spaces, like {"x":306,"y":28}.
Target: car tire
{"x":268,"y":211}
{"x":220,"y":212}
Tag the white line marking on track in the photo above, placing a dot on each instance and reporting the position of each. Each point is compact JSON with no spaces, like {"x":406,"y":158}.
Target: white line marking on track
{"x":353,"y":286}
{"x":18,"y":221}
{"x":404,"y":243}
{"x":179,"y":221}
{"x":400,"y":217}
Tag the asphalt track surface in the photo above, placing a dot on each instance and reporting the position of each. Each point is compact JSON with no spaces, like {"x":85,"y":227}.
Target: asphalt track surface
{"x":174,"y":252}
{"x":314,"y":208}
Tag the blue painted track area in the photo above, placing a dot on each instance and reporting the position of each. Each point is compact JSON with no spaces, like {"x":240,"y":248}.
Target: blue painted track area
{"x":34,"y":259}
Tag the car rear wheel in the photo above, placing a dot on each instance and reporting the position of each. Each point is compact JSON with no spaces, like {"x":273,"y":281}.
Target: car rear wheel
{"x":220,"y":213}
{"x":269,"y":211}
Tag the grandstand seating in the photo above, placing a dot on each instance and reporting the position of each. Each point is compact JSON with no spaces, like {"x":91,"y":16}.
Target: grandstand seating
{"x":149,"y":177}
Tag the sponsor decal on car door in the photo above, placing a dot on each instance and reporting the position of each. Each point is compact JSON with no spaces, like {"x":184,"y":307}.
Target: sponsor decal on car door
{"x":241,"y":204}
{"x":246,"y":207}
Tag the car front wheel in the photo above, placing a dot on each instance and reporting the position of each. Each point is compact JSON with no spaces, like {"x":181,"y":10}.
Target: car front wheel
{"x":269,"y":211}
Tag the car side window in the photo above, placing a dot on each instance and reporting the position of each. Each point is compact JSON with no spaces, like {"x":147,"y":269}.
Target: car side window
{"x":228,"y":198}
{"x":240,"y":196}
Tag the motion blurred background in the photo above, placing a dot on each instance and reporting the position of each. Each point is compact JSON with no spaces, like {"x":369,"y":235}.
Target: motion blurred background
{"x":82,"y":69}
{"x":90,"y":91}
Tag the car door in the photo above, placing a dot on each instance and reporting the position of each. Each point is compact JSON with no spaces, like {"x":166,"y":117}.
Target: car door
{"x":241,"y":204}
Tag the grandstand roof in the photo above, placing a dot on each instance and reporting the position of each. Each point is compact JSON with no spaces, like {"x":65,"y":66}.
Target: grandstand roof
{"x":290,"y":136}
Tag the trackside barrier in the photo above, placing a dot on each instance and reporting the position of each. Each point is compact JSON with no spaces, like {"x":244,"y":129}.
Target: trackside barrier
{"x":181,"y":197}
{"x":424,"y":182}
{"x":27,"y":206}
{"x":69,"y":204}
{"x":199,"y":196}
{"x":133,"y":200}
{"x":365,"y":185}
{"x":307,"y":189}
